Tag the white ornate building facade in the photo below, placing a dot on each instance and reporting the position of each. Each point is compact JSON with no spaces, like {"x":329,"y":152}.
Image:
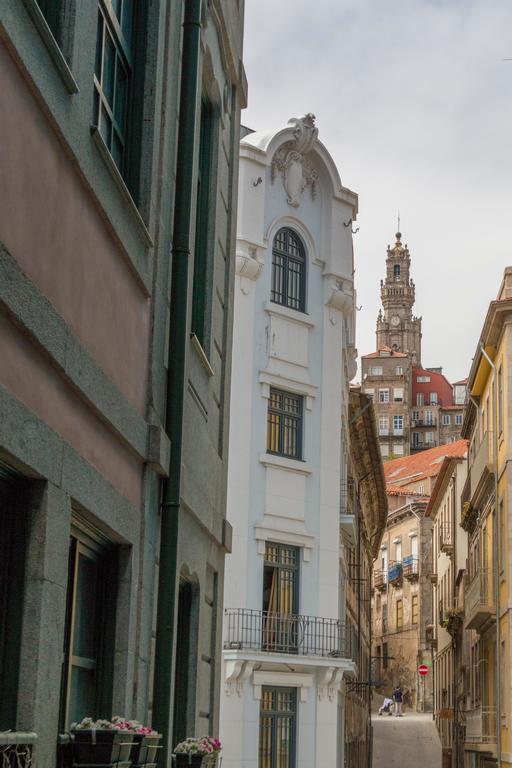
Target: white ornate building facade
{"x":286,"y":650}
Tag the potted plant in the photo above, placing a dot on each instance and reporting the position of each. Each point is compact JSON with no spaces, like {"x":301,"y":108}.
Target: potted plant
{"x":145,"y":741}
{"x":198,"y":752}
{"x":100,"y":742}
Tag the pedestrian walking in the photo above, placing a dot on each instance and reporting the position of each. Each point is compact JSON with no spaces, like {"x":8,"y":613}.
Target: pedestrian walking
{"x":398,"y":698}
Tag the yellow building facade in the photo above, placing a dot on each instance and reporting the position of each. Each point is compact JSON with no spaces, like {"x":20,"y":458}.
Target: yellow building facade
{"x":486,"y":516}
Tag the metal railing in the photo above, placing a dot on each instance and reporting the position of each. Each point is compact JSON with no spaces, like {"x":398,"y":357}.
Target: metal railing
{"x":480,"y":725}
{"x":380,"y":578}
{"x":479,"y":599}
{"x":346,"y":493}
{"x":446,"y":538}
{"x":248,"y":629}
{"x":410,"y":567}
{"x":395,"y":573}
{"x":16,"y":749}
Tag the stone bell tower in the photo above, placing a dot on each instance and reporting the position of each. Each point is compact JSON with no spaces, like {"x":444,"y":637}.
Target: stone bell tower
{"x":397,"y":328}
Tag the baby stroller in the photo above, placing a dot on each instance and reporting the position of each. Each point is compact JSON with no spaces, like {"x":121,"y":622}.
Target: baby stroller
{"x":387,"y":708}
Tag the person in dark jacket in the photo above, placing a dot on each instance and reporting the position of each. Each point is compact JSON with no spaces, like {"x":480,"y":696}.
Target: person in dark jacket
{"x":398,"y":698}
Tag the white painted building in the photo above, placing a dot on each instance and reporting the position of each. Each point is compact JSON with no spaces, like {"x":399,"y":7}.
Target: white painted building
{"x":286,"y":651}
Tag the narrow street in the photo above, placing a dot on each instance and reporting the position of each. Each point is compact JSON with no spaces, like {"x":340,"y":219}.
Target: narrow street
{"x":409,"y":742}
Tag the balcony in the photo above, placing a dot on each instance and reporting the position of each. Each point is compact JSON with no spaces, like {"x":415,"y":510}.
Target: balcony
{"x":424,"y":423}
{"x":410,"y":568}
{"x":292,"y":634}
{"x":480,"y":725}
{"x":479,"y":602}
{"x":451,"y":617}
{"x":16,"y":749}
{"x":383,"y":431}
{"x":482,"y":464}
{"x":348,"y":523}
{"x":446,"y":538}
{"x":380,"y":579}
{"x":423,"y":445}
{"x":395,"y":574}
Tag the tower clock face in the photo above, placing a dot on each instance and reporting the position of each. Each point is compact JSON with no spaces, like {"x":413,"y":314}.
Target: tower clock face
{"x":395,"y":320}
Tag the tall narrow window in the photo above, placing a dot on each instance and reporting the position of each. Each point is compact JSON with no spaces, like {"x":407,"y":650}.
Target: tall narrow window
{"x":415,"y":609}
{"x":399,"y":614}
{"x":384,"y":619}
{"x":420,"y":399}
{"x":288,"y":271}
{"x":205,"y":215}
{"x":500,"y":400}
{"x":186,"y":637}
{"x":90,"y":627}
{"x":385,"y":655}
{"x":501,"y":523}
{"x":278,"y":725}
{"x":113,"y":76}
{"x":280,"y":597}
{"x":284,"y":424}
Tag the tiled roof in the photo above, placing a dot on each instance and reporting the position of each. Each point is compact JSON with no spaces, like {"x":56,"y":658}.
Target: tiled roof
{"x":462,"y":381}
{"x":409,"y":469}
{"x":391,"y":353}
{"x":396,"y":490}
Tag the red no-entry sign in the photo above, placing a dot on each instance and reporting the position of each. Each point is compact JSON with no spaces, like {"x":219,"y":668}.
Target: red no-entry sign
{"x":423,"y":670}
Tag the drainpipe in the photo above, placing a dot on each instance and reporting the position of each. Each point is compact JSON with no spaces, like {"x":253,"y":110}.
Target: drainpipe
{"x":495,"y":554}
{"x":184,"y":197}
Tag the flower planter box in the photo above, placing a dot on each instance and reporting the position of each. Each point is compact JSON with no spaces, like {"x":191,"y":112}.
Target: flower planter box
{"x":98,"y":747}
{"x":144,"y":749}
{"x":205,"y":761}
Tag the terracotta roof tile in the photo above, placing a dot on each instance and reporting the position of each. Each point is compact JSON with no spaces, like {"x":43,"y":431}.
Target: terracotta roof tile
{"x":452,"y":407}
{"x":410,"y":469}
{"x":396,"y":490}
{"x":391,"y":353}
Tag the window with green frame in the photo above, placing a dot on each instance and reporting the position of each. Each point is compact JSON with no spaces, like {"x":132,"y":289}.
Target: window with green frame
{"x":114,"y":77}
{"x":285,"y":423}
{"x":90,"y":628}
{"x":205,"y":218}
{"x":278,"y":727}
{"x":399,"y":614}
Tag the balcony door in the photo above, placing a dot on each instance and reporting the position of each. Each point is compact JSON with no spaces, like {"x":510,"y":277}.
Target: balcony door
{"x":280,"y":597}
{"x":278,"y":721}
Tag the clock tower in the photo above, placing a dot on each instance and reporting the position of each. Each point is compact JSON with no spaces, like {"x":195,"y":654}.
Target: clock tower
{"x":397,"y":328}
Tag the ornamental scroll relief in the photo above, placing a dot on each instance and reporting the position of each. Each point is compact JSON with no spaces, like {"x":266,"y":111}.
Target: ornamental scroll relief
{"x":290,"y":160}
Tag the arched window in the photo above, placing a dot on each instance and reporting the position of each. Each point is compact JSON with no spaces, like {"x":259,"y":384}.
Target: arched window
{"x":396,"y":271}
{"x":288,"y":271}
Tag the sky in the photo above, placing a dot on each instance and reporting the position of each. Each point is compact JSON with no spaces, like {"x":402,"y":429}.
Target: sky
{"x":413,"y":99}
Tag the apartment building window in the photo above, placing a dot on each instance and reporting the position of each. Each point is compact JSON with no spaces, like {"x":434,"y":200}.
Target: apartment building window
{"x":278,"y":725}
{"x":500,"y":400}
{"x":423,"y":379}
{"x":385,"y":655}
{"x":376,"y":370}
{"x":420,"y":399}
{"x":398,"y":425}
{"x":398,"y":395}
{"x":385,"y":622}
{"x":433,"y":398}
{"x":429,"y":418}
{"x":205,"y":214}
{"x":281,"y":579}
{"x":429,"y":438}
{"x":458,"y":419}
{"x":90,"y":629}
{"x":370,"y":393}
{"x":288,"y":271}
{"x":113,"y":76}
{"x":383,"y":395}
{"x":446,"y":420}
{"x":399,"y":371}
{"x":415,"y":439}
{"x":415,"y":415}
{"x":398,"y":551}
{"x":13,"y":536}
{"x":399,"y":614}
{"x":284,"y":424}
{"x":398,"y":449}
{"x":384,"y":449}
{"x":383,"y":425}
{"x":415,"y":608}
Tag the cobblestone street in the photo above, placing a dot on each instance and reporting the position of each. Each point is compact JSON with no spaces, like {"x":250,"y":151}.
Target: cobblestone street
{"x":409,"y":742}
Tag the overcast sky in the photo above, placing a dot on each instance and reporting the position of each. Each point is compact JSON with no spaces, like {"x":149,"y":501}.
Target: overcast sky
{"x":414,"y":102}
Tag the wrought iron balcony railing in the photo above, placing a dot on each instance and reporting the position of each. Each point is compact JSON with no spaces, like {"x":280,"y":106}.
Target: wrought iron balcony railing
{"x":248,"y":629}
{"x":411,"y":567}
{"x":480,"y":725}
{"x":16,"y":749}
{"x":395,"y":573}
{"x":380,"y":578}
{"x":446,"y":538}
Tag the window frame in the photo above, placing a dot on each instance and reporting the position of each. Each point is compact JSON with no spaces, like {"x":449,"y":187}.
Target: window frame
{"x":458,"y":419}
{"x":399,"y":613}
{"x":283,"y":297}
{"x":383,"y":394}
{"x":282,"y":416}
{"x":104,"y":553}
{"x":415,"y":609}
{"x":275,"y":715}
{"x":446,"y":420}
{"x":281,"y":567}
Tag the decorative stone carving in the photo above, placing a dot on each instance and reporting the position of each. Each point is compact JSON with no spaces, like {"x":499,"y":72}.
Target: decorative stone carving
{"x":237,"y":672}
{"x":328,"y":683}
{"x":291,"y":162}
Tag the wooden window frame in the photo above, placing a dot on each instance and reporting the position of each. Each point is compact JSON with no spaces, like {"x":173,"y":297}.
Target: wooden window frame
{"x":399,"y":613}
{"x":415,"y":609}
